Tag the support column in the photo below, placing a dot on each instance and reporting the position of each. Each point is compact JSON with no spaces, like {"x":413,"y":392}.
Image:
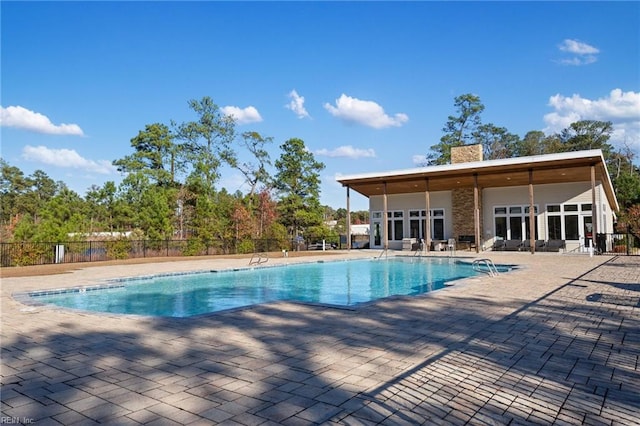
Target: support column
{"x":385,"y":219}
{"x":476,"y":212}
{"x":348,"y":220}
{"x":532,"y":215}
{"x":427,"y":219}
{"x":594,"y":207}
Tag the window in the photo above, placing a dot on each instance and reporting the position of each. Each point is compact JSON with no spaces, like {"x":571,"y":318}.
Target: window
{"x":395,"y":225}
{"x":512,"y":222}
{"x":437,"y":224}
{"x":571,"y":227}
{"x":501,"y":227}
{"x":554,"y":227}
{"x":569,"y":221}
{"x":515,"y":226}
{"x":417,"y":224}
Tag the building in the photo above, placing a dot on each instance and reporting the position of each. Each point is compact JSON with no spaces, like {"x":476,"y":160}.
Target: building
{"x":566,"y":197}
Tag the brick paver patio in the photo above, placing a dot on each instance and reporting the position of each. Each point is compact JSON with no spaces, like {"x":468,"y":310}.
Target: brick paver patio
{"x":555,"y":342}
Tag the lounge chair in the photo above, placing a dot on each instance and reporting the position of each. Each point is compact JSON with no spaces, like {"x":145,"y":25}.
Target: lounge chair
{"x":512,"y":245}
{"x":554,"y":245}
{"x":498,"y":245}
{"x":526,"y":245}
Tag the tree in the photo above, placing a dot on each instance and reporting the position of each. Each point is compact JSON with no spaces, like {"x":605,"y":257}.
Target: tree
{"x":62,"y":215}
{"x":156,"y":155}
{"x":496,"y":142}
{"x":587,"y":134}
{"x":102,"y":205}
{"x":22,"y":196}
{"x":13,"y":185}
{"x":629,"y":220}
{"x":458,"y":130}
{"x":625,"y":177}
{"x":208,"y":142}
{"x":297,"y":182}
{"x":266,"y":212}
{"x":154,"y":215}
{"x":536,"y":142}
{"x":254,"y":173}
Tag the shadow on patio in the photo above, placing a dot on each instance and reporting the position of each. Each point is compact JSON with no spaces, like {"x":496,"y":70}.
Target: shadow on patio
{"x":449,"y":359}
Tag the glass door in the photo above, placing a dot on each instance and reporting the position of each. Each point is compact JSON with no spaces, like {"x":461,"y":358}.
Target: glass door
{"x":377,"y":233}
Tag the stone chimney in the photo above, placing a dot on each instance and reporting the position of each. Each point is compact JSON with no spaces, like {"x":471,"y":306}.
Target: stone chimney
{"x":462,"y":198}
{"x":466,"y":153}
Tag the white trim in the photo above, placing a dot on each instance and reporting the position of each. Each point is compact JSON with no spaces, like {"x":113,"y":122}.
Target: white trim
{"x":480,"y":165}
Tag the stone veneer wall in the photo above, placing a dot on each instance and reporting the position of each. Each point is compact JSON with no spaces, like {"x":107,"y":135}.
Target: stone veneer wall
{"x":466,"y":153}
{"x":462,"y":198}
{"x":462,"y":205}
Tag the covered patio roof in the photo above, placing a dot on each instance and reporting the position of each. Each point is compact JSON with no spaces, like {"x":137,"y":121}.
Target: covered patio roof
{"x":545,"y":169}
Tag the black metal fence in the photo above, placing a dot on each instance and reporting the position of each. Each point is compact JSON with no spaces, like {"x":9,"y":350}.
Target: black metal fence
{"x":30,"y":253}
{"x":627,"y":244}
{"x":43,"y":253}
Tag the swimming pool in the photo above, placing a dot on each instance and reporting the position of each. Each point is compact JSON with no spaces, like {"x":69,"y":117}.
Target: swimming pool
{"x":341,"y":283}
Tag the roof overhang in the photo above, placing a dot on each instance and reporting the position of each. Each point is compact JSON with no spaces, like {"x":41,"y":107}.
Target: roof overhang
{"x":545,"y":169}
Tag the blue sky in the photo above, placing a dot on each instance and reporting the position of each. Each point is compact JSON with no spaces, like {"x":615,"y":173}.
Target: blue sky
{"x":368,"y":86}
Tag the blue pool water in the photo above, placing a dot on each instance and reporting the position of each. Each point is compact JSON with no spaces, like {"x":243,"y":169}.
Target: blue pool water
{"x":343,"y":283}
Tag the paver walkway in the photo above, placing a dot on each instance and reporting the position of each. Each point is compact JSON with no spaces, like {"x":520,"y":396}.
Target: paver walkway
{"x":555,"y":342}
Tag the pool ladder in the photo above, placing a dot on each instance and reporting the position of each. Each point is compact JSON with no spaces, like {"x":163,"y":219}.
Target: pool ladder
{"x":486,"y":266}
{"x":259,"y":258}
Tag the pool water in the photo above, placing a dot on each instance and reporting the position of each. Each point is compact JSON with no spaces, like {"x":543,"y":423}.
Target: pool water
{"x":342,"y":283}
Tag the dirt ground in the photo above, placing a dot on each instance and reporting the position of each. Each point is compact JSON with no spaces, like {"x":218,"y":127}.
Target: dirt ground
{"x":63,"y":268}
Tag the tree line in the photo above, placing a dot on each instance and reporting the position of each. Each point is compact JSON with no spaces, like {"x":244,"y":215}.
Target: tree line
{"x":170,"y":182}
{"x":466,"y":127}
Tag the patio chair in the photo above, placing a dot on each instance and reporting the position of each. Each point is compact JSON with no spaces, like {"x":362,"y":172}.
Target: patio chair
{"x":555,"y":245}
{"x":512,"y":245}
{"x":526,"y":245}
{"x":451,"y":245}
{"x":498,"y":245}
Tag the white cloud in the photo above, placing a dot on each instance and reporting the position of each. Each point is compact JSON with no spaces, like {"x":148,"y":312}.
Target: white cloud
{"x":242,"y":115}
{"x":577,"y":47}
{"x":347,"y":151}
{"x":578,"y":61}
{"x":66,"y":158}
{"x":622,"y":109}
{"x":583,"y":53}
{"x":367,"y":113}
{"x":297,"y":104}
{"x":22,"y":118}
{"x":419,"y":159}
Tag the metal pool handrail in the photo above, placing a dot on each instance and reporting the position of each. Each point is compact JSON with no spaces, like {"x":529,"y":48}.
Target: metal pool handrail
{"x":491,"y":268}
{"x":258,"y":258}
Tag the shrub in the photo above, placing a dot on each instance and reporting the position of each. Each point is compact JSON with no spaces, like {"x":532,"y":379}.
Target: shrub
{"x":246,"y":246}
{"x":118,"y":249}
